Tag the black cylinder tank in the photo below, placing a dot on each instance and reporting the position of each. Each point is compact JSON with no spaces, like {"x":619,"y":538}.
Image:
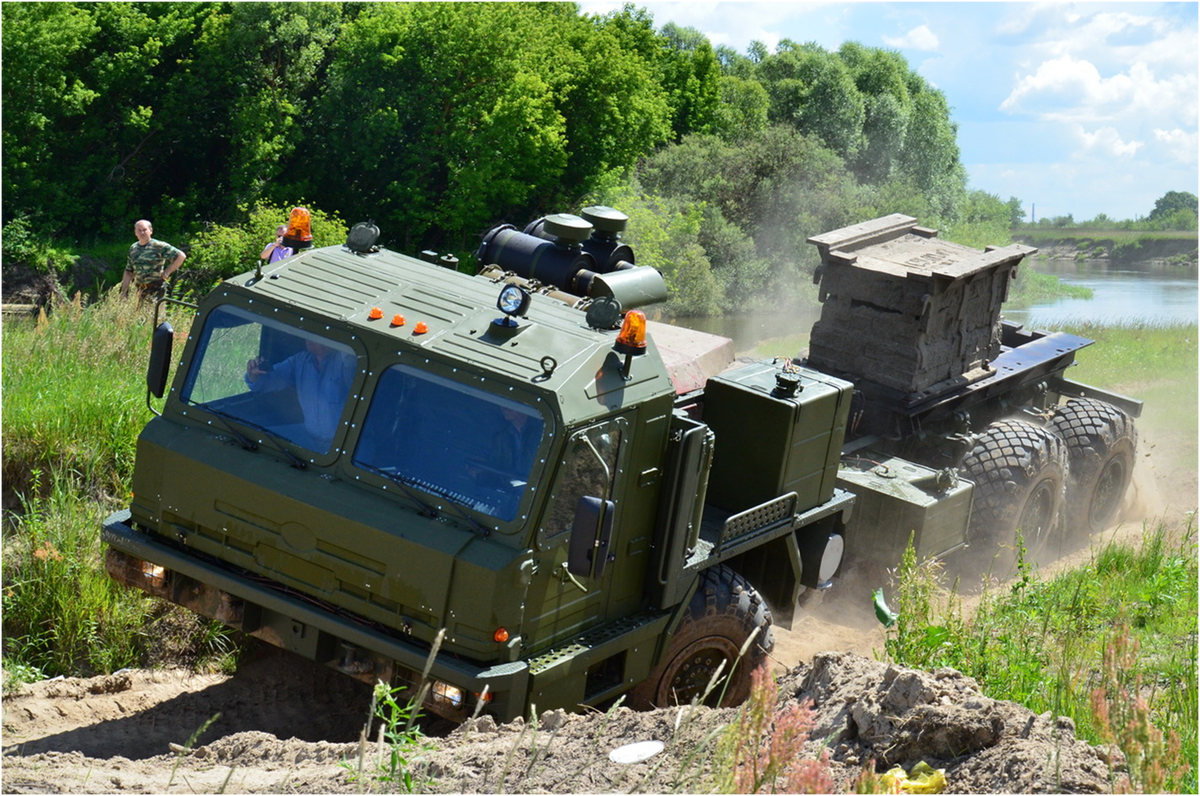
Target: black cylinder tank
{"x":604,"y":244}
{"x":557,"y":259}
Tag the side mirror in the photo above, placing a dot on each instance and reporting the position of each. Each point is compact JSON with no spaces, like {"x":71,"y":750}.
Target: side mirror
{"x":591,"y":534}
{"x":160,"y":359}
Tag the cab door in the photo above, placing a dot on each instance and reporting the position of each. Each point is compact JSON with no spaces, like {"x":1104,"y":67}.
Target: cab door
{"x":574,"y":547}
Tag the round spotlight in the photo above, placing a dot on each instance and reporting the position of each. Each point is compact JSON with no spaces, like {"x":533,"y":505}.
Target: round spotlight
{"x":513,"y":301}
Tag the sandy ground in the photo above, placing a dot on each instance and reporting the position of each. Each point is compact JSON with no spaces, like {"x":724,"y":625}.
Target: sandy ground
{"x":282,"y":724}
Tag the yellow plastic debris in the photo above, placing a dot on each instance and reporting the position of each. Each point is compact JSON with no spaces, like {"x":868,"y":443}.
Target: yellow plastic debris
{"x":923,"y":779}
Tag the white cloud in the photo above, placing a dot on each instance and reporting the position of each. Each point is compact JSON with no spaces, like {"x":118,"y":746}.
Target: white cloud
{"x":919,"y":38}
{"x":733,"y":24}
{"x":1181,"y":144}
{"x":1030,"y":16}
{"x":1067,"y":88}
{"x":1058,"y":83}
{"x":1107,"y":142}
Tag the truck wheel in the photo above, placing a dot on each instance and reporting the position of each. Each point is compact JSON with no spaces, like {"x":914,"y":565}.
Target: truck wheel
{"x":722,"y":614}
{"x":1019,"y":470}
{"x":1101,"y":442}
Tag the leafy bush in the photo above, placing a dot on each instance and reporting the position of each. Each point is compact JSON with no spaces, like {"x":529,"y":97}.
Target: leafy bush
{"x":22,"y":245}
{"x":220,"y":251}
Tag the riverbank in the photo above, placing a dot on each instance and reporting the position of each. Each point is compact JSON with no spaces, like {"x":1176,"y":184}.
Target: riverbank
{"x":1119,"y":246}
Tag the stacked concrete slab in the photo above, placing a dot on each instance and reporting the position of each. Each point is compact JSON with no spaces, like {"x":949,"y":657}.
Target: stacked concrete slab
{"x":906,"y":311}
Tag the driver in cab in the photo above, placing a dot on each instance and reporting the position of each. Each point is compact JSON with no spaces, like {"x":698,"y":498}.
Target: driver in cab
{"x":321,"y":376}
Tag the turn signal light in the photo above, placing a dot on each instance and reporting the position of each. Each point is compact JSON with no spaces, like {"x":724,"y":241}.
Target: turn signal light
{"x":420,"y":328}
{"x":375,"y":314}
{"x":501,"y":635}
{"x":397,"y":320}
{"x":632,"y":339}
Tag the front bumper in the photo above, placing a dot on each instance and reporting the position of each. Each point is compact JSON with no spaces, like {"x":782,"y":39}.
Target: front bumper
{"x":301,"y":625}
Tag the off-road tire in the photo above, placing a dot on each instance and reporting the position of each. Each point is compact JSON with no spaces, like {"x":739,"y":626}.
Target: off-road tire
{"x":721,"y":615}
{"x":1101,"y":447}
{"x":1020,"y":473}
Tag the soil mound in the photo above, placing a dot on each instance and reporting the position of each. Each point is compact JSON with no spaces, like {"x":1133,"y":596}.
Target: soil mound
{"x":129,"y":733}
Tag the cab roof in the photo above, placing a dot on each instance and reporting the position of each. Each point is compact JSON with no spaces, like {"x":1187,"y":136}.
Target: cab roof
{"x":552,"y":349}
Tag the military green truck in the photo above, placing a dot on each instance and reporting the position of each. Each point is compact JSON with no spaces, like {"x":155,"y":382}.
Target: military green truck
{"x":516,"y":489}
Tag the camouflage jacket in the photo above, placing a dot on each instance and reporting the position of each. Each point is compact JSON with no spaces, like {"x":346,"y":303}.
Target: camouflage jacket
{"x":146,"y":263}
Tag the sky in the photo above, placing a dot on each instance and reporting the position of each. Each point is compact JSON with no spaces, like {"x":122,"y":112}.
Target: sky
{"x":1074,"y":108}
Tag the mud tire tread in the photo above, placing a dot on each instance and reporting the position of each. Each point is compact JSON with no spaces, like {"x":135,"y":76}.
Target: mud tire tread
{"x":725,"y":607}
{"x":1098,"y":436}
{"x":1008,"y":462}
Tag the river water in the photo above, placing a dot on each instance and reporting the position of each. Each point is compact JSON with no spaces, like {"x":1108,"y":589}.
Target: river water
{"x":1125,"y":295}
{"x":1122,"y":295}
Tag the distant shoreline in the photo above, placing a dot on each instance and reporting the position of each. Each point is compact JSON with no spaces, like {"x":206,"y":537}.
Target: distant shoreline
{"x":1170,"y":248}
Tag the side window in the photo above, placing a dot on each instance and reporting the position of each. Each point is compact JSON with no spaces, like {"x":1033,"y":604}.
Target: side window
{"x":588,"y":468}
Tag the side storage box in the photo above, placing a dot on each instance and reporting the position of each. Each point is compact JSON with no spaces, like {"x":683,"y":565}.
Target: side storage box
{"x":778,"y":429}
{"x":896,"y":499}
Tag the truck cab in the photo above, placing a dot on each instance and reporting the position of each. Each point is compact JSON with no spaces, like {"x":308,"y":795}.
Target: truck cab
{"x":418,"y":476}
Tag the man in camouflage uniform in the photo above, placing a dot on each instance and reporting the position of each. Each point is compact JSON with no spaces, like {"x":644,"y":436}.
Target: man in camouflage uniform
{"x":151,"y":263}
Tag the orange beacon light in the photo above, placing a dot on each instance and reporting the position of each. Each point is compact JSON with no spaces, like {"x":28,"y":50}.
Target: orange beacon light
{"x":299,"y":232}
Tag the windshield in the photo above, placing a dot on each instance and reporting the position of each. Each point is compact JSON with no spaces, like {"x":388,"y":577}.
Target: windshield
{"x":292,"y":383}
{"x":450,"y":439}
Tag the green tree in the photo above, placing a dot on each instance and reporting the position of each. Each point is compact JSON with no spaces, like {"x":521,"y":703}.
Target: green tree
{"x":258,"y":68}
{"x":929,"y":159}
{"x":680,"y":62}
{"x":813,"y":90}
{"x":743,"y":109}
{"x":734,"y":64}
{"x":43,"y":92}
{"x":691,"y":76}
{"x":881,"y":76}
{"x":1173,"y":201}
{"x":615,"y":107}
{"x":84,"y":135}
{"x":438,"y":115}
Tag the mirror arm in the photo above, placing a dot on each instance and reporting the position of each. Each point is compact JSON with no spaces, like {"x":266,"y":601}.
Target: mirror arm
{"x":565,"y":574}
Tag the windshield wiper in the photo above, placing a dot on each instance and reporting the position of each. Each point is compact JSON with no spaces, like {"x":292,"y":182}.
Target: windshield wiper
{"x":246,"y":442}
{"x":297,"y":462}
{"x":407,"y":481}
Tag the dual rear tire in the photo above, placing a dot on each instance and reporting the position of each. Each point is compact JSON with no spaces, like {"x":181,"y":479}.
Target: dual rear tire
{"x":1066,"y":479}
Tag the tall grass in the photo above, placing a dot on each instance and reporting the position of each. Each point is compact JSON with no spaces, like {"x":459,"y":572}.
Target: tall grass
{"x":1049,"y":644}
{"x":74,"y":395}
{"x":73,"y":406}
{"x":62,"y":613}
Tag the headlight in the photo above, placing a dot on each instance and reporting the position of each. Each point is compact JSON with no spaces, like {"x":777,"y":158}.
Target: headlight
{"x":446,"y":694}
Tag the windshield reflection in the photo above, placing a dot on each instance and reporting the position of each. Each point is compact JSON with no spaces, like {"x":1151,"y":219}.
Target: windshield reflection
{"x":451,"y":439}
{"x":293,"y":384}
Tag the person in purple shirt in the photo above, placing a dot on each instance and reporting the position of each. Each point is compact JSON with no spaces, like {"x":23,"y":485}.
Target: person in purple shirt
{"x":321,"y":376}
{"x":275,"y":250}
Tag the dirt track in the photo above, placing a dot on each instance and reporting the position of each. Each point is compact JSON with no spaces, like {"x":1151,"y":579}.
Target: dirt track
{"x":282,"y":724}
{"x":285,"y":725}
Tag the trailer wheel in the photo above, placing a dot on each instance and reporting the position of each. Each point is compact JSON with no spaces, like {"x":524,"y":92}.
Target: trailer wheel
{"x":1101,"y":442}
{"x":1019,"y":470}
{"x":722,"y":614}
